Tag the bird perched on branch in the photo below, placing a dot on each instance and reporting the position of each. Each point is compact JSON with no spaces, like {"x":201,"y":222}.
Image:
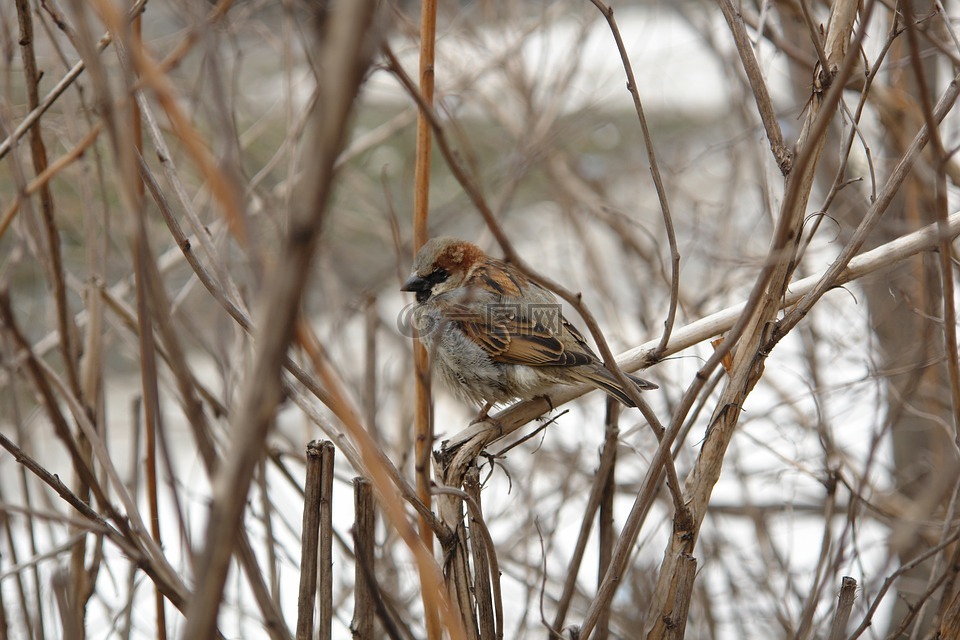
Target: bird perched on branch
{"x":493,"y":334}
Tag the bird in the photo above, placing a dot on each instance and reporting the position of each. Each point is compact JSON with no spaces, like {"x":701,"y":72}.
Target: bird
{"x":493,"y":334}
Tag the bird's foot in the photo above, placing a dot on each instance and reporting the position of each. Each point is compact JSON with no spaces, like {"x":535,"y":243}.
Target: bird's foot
{"x":548,"y":401}
{"x":484,"y":417}
{"x":484,"y":414}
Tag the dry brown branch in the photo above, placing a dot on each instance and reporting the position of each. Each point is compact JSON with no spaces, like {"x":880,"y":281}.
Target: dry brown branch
{"x":605,"y":526}
{"x":761,"y":93}
{"x":146,"y":309}
{"x":38,"y":182}
{"x":678,"y":605}
{"x":32,"y":118}
{"x":45,"y":389}
{"x":309,"y":547}
{"x":950,"y":624}
{"x":325,"y":594}
{"x":769,"y":289}
{"x":365,"y":591}
{"x":346,"y":39}
{"x":830,"y":278}
{"x":152,"y":75}
{"x":38,"y":151}
{"x":892,"y":578}
{"x":848,"y":593}
{"x":487,"y":615}
{"x":456,"y":554}
{"x":174,"y":590}
{"x":480,"y":538}
{"x":382,"y":476}
{"x":945,"y":252}
{"x":423,"y":414}
{"x":190,"y":399}
{"x":232,"y":306}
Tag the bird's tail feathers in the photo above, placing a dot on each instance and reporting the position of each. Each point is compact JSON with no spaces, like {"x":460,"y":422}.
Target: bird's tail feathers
{"x":645,"y":385}
{"x":604,"y":380}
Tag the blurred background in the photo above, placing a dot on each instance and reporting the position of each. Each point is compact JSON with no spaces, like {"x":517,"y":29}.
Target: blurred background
{"x":844,"y":461}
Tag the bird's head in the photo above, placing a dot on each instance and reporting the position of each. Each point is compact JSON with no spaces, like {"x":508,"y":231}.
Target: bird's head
{"x":441,"y":265}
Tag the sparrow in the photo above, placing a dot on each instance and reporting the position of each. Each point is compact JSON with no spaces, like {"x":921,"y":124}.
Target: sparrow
{"x":493,"y":334}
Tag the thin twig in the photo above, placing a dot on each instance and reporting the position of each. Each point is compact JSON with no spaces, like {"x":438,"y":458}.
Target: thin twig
{"x":605,"y":523}
{"x":769,"y":288}
{"x":830,"y":278}
{"x":820,"y":575}
{"x":52,"y":169}
{"x":176,"y":592}
{"x":228,"y":303}
{"x":600,"y":479}
{"x":192,"y":405}
{"x":634,"y":90}
{"x":31,"y":119}
{"x":38,"y":153}
{"x":816,"y":34}
{"x":153,"y":75}
{"x":758,"y":84}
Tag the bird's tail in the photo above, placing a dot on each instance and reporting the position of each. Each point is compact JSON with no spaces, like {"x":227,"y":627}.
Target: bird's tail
{"x":603,"y":379}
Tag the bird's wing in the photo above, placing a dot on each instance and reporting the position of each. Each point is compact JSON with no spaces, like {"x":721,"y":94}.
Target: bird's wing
{"x":516,"y":321}
{"x":512,"y":337}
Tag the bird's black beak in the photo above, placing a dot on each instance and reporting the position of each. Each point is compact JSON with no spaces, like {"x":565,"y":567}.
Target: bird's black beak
{"x":420,"y":286}
{"x":416,"y":284}
{"x":423,"y":286}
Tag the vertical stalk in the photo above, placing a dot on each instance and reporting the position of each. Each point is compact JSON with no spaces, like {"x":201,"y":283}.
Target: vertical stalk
{"x":21,"y":591}
{"x":421,"y":203}
{"x":38,"y":153}
{"x":325,"y":592}
{"x":81,"y":587}
{"x":364,"y":593}
{"x":481,"y":564}
{"x":309,"y":542}
{"x":151,"y":403}
{"x":147,"y":345}
{"x":604,"y":471}
{"x":370,"y":325}
{"x":605,"y":525}
{"x":848,"y":593}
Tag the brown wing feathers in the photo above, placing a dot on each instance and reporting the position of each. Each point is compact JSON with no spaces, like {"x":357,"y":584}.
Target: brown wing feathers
{"x":512,"y":338}
{"x":505,"y":330}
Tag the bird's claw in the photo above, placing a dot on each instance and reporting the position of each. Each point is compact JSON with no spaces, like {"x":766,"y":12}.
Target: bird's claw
{"x":548,"y":401}
{"x":484,"y":416}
